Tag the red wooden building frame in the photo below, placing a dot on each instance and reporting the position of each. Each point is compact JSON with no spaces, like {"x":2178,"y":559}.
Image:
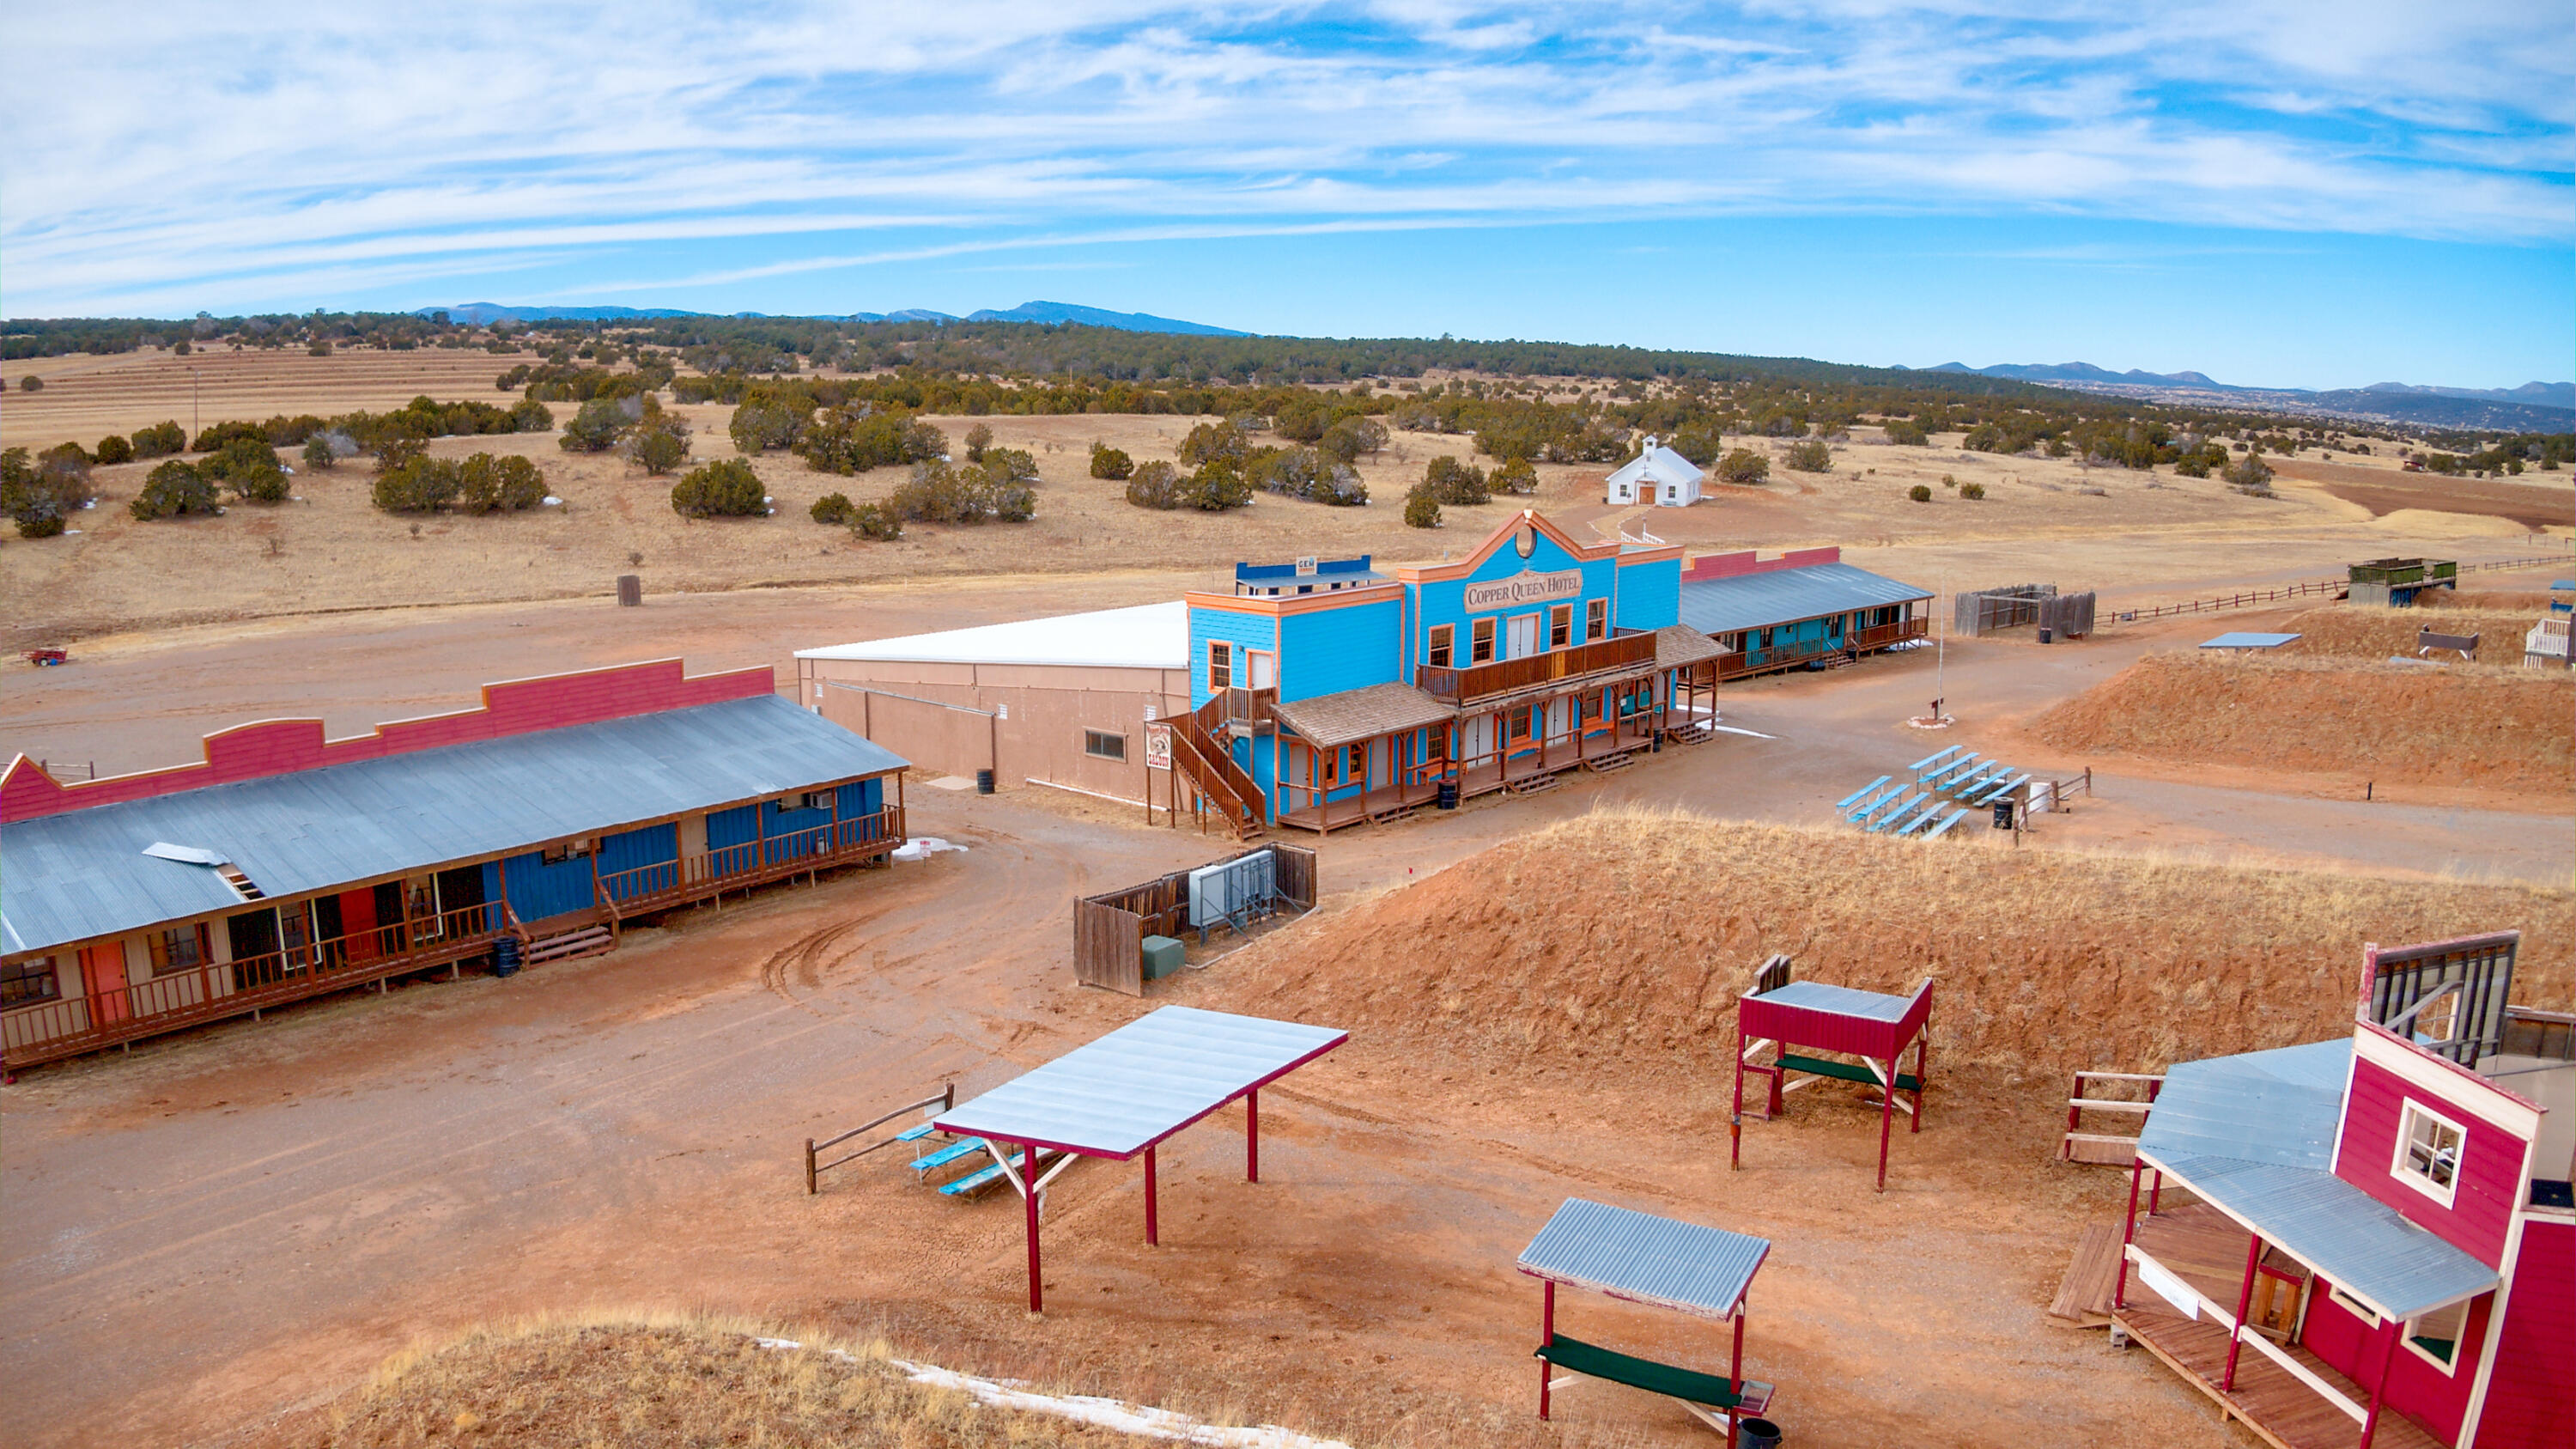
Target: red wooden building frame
{"x":1872,"y":1025}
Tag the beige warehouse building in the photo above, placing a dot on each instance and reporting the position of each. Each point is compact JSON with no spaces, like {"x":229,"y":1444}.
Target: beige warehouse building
{"x":1060,"y":701}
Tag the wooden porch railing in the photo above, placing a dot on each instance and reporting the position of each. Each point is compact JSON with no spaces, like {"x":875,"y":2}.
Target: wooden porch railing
{"x":214,"y":990}
{"x":1505,"y":676}
{"x":1212,"y":770}
{"x":753,"y":862}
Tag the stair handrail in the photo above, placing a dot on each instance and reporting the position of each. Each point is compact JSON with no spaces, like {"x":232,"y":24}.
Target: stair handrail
{"x":1205,"y":774}
{"x":1216,"y":766}
{"x":945,"y":1101}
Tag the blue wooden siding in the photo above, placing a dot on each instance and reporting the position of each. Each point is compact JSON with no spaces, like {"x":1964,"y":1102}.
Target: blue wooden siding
{"x":738,"y":826}
{"x":1443,"y":601}
{"x":1650,"y":595}
{"x":789,"y":828}
{"x":1244,"y":631}
{"x":539,"y":890}
{"x":1326,"y":651}
{"x":862,"y":797}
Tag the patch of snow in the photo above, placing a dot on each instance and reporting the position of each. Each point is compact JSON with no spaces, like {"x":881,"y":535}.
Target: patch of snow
{"x":1732,"y":730}
{"x":552,"y":501}
{"x":952,"y":782}
{"x":922,"y":847}
{"x":89,"y":503}
{"x":68,"y":532}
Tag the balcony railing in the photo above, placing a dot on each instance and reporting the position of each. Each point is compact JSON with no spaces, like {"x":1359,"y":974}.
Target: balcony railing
{"x":1510,"y":676}
{"x":753,"y":862}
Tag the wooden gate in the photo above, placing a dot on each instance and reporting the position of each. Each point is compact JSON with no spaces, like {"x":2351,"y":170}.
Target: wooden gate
{"x":1108,"y":947}
{"x":1109,"y":930}
{"x":1293,"y":868}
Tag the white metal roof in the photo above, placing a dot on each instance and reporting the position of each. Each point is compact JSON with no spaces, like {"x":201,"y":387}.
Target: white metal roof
{"x":1123,"y":1093}
{"x":1645,"y":1258}
{"x":1659,"y":463}
{"x":1147,"y":636}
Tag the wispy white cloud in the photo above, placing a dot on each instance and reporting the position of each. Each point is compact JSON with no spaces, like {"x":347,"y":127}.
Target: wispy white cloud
{"x":161,"y":151}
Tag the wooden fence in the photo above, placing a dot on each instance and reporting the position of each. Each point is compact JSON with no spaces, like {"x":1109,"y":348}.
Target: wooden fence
{"x":1109,"y":929}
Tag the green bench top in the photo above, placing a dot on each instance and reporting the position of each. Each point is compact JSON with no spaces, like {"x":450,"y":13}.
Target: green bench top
{"x":1688,"y":1385}
{"x":1848,"y":1071}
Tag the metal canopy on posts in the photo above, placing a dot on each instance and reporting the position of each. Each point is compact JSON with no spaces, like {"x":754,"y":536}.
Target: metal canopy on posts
{"x":1875,"y":1026}
{"x":1120,"y":1096}
{"x":1642,"y":1258}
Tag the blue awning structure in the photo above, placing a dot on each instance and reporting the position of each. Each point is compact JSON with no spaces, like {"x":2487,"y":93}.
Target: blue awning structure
{"x":2239,"y":639}
{"x":1123,"y":1093}
{"x":1645,"y":1259}
{"x":2254,"y":1136}
{"x":109,"y":869}
{"x":1786,"y":596}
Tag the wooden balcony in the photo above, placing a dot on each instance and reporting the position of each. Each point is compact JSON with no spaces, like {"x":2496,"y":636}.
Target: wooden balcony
{"x":1533,"y":671}
{"x":668,"y":883}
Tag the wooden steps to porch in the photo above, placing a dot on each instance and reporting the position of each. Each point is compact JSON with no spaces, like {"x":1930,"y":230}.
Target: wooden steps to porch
{"x":2084,"y":1294}
{"x":1609,"y":764}
{"x":1691,"y":734}
{"x":1532,"y":784}
{"x":568,"y":945}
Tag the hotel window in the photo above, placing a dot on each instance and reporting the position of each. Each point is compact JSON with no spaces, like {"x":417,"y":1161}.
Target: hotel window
{"x":1560,"y":626}
{"x":181,"y":948}
{"x":1596,"y":619}
{"x":1480,"y":642}
{"x":2436,"y":1335}
{"x":1438,"y":655}
{"x":1220,"y":665}
{"x":23,"y":983}
{"x":1101,"y":745}
{"x":2428,"y":1153}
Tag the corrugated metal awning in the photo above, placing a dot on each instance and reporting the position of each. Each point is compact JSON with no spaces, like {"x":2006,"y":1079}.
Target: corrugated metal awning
{"x":1645,"y":1258}
{"x":1123,"y":1093}
{"x":1785,"y":596}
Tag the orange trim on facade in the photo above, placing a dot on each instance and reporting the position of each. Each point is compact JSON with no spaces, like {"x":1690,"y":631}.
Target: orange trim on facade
{"x":1294,"y":603}
{"x":1583,"y":552}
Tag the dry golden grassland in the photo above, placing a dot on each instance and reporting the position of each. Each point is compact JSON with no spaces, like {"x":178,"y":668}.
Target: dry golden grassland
{"x":666,"y":1382}
{"x":1620,"y":941}
{"x":2363,"y":631}
{"x":2484,"y":726}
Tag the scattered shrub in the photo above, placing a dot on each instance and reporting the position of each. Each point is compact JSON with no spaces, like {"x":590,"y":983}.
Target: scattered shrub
{"x":1811,"y":455}
{"x":1421,"y":509}
{"x":834,"y":509}
{"x":416,"y":484}
{"x":1518,"y":477}
{"x":1920,"y":492}
{"x":506,"y":483}
{"x":855,"y":440}
{"x":875,"y":522}
{"x":531,"y":416}
{"x":159,"y":440}
{"x":657,"y":445}
{"x":978,"y":438}
{"x":114,"y":449}
{"x":31,"y":497}
{"x":1155,"y":485}
{"x":173,"y":489}
{"x":1948,"y":481}
{"x":2250,"y":474}
{"x":1214,"y":440}
{"x":1743,"y":466}
{"x":761,"y":424}
{"x":2191,"y":465}
{"x":1110,"y":463}
{"x":1906,"y":432}
{"x":1972,"y":490}
{"x":31,"y":383}
{"x":319,"y":452}
{"x":251,"y":467}
{"x":394,"y":452}
{"x":723,"y":489}
{"x":1700,"y":445}
{"x":1450,"y":481}
{"x":1217,"y":486}
{"x":321,"y":347}
{"x":598,"y":426}
{"x":1344,"y":441}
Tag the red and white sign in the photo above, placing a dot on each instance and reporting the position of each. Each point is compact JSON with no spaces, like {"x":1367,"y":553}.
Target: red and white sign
{"x":1524,"y":588}
{"x":1158,"y":747}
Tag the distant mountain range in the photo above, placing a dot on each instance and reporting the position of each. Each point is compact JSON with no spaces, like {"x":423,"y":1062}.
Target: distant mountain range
{"x":483,"y":314}
{"x":2539,"y":407}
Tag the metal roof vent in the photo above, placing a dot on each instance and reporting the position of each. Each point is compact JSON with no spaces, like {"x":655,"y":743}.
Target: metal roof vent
{"x":242,"y":884}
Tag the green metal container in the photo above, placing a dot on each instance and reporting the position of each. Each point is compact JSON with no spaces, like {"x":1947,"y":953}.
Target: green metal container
{"x":1162,"y":957}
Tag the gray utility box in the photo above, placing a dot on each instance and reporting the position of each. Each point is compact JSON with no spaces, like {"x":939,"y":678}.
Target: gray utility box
{"x":1162,"y":957}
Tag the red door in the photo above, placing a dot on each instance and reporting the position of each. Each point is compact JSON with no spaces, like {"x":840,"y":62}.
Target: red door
{"x":358,"y":925}
{"x":103,"y":977}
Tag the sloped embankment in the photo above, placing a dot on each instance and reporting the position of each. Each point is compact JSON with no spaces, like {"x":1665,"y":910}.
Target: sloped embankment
{"x":2494,"y":728}
{"x":1626,"y":938}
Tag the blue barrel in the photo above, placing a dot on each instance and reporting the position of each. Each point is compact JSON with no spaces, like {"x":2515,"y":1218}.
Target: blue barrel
{"x":505,"y":956}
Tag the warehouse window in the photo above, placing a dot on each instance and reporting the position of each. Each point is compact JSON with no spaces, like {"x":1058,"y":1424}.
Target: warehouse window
{"x":26,"y":982}
{"x":1596,"y":624}
{"x":1220,"y":665}
{"x":1480,"y":648}
{"x":1101,"y":745}
{"x":1443,"y":637}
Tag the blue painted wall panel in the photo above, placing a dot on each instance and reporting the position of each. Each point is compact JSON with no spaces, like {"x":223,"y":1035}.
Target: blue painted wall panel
{"x":864,"y":797}
{"x":539,"y":890}
{"x":634,"y":851}
{"x":737,"y":826}
{"x":1650,"y":595}
{"x":1326,"y":651}
{"x":1244,"y":631}
{"x":796,"y":832}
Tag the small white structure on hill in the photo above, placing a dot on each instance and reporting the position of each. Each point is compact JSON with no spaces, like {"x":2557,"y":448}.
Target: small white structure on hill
{"x":2546,"y":646}
{"x":1659,"y":476}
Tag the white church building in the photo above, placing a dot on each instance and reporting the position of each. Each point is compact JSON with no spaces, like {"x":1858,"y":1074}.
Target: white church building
{"x":1658,"y":476}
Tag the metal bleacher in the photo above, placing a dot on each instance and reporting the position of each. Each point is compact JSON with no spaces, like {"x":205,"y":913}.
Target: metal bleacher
{"x":1944,"y":788}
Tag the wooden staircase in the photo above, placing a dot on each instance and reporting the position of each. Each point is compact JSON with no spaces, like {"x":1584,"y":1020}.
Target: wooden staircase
{"x":1207,"y":762}
{"x":565,"y":946}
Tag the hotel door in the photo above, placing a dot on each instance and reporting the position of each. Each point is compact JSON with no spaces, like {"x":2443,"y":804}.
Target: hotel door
{"x":103,"y":977}
{"x":1261,"y":669}
{"x":1524,"y":641}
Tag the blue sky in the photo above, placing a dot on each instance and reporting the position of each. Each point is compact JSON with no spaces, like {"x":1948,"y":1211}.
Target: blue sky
{"x":2312,"y":194}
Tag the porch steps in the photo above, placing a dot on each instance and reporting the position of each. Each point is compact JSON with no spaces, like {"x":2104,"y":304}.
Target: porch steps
{"x":1532,"y":784}
{"x":1609,"y":764}
{"x":588,"y":941}
{"x":1690,"y":734}
{"x":1393,"y":814}
{"x":2084,"y":1294}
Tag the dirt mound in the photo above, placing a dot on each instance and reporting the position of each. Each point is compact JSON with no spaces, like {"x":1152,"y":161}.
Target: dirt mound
{"x":2363,"y":631}
{"x":1621,"y":941}
{"x":2488,"y":601}
{"x":2505,"y":729}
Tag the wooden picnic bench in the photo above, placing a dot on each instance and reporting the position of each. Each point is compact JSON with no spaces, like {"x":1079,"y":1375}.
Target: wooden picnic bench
{"x":1698,"y":1392}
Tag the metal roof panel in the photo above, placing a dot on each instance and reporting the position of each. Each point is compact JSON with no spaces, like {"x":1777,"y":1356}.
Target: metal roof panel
{"x":1784,"y":596}
{"x":1645,"y":1258}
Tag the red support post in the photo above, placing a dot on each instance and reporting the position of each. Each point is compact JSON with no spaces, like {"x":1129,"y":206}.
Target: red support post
{"x":2387,"y":1361}
{"x":1546,"y":1338}
{"x":1252,"y":1135}
{"x":1735,"y":1119}
{"x":2155,"y":1191}
{"x":2128,"y":1234}
{"x":1029,"y":1194}
{"x":1922,"y":1064}
{"x":1735,"y":1375}
{"x":1150,"y":1239}
{"x":2244,"y":1301}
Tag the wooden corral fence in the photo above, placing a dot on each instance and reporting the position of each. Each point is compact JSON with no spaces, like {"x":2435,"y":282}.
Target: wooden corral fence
{"x":2300,"y":591}
{"x":929,"y":1106}
{"x":2104,"y":1149}
{"x":1109,"y":929}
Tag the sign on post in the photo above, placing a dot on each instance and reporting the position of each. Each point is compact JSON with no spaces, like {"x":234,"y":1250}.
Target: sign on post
{"x":1158,"y":746}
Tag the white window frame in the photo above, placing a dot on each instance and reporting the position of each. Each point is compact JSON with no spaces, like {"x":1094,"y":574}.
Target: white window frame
{"x":2353,"y":1306}
{"x":2404,"y":1171}
{"x":2459,"y":1341}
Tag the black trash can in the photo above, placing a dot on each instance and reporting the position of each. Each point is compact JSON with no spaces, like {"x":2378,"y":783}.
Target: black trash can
{"x":2043,"y":635}
{"x":983,"y":782}
{"x":1449,"y":794}
{"x":1756,"y":1434}
{"x":505,"y":956}
{"x":2003,"y":815}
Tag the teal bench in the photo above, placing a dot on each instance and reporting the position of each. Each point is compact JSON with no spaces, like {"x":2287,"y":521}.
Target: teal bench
{"x":1848,"y":1071}
{"x":933,"y":1161}
{"x":1688,"y":1385}
{"x":982,"y":1177}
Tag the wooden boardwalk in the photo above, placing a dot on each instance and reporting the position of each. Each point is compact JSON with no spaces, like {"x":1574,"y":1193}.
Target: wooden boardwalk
{"x":2084,"y":1295}
{"x":2279,"y":1409}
